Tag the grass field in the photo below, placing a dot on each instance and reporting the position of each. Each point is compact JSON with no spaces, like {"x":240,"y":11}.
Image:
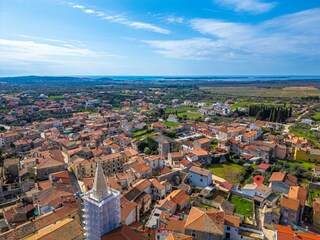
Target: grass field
{"x":263,"y":92}
{"x":171,"y":124}
{"x":56,"y":97}
{"x":191,"y":113}
{"x":316,"y":116}
{"x":142,"y":133}
{"x":246,"y":104}
{"x":312,"y":194}
{"x":242,"y":206}
{"x":306,"y":165}
{"x":180,"y":109}
{"x":229,"y":171}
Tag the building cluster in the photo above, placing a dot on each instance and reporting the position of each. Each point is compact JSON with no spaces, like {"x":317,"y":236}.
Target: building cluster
{"x":86,"y":176}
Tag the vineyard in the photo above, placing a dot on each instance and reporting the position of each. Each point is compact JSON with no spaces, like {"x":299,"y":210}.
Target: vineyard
{"x":265,"y":92}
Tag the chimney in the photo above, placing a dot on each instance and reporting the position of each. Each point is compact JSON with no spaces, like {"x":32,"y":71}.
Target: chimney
{"x":295,"y":235}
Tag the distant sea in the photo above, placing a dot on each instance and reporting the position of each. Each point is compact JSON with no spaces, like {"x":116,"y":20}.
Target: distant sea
{"x":210,"y":78}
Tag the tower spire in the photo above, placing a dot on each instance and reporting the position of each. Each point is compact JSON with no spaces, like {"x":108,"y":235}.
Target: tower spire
{"x":100,"y":187}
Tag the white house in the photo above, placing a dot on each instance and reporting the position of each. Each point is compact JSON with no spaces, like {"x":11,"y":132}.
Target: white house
{"x":155,"y":162}
{"x":173,"y":118}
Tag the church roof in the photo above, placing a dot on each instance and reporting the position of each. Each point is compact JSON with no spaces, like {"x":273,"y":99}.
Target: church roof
{"x":100,"y":187}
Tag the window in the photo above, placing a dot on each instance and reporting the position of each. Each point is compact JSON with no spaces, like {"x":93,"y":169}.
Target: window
{"x":201,"y":180}
{"x":228,"y":228}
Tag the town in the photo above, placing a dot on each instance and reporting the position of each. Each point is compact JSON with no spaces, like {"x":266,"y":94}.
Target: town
{"x":159,"y":163}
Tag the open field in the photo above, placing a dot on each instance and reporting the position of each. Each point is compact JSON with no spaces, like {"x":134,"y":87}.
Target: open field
{"x":263,"y":92}
{"x":316,"y":116}
{"x":171,"y":124}
{"x":312,"y":194}
{"x":56,"y":97}
{"x":191,"y":113}
{"x":306,"y":165}
{"x":242,"y":206}
{"x":304,"y":88}
{"x":229,"y":171}
{"x":144,"y":132}
{"x":181,"y":109}
{"x":246,"y":104}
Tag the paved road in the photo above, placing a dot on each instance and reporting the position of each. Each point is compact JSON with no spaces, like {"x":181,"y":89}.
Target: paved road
{"x":76,"y":188}
{"x":269,"y":234}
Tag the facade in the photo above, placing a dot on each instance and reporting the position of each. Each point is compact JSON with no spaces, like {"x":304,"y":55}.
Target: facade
{"x":200,"y":177}
{"x":165,"y":144}
{"x":307,"y":154}
{"x":101,"y":208}
{"x":316,"y":212}
{"x":282,"y":181}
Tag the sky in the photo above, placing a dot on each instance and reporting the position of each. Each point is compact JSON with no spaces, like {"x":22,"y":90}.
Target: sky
{"x":159,"y":37}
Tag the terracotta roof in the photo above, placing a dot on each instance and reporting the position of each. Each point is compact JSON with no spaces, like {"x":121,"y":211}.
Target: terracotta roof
{"x":290,"y":203}
{"x":122,"y":233}
{"x":316,"y":205}
{"x":201,"y":171}
{"x":165,"y":170}
{"x":178,"y":236}
{"x":142,"y":184}
{"x":126,"y":209}
{"x":44,"y":185}
{"x":203,"y":140}
{"x":176,"y":154}
{"x":298,"y":193}
{"x":210,"y":221}
{"x":286,"y":233}
{"x":264,"y":166}
{"x":167,"y":204}
{"x":263,"y":189}
{"x":141,"y":168}
{"x":283,"y":177}
{"x":171,"y":223}
{"x":157,"y":184}
{"x":200,"y":152}
{"x":179,"y":197}
{"x":233,"y":221}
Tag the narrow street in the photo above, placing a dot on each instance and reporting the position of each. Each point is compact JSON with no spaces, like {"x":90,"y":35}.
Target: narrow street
{"x":76,"y":188}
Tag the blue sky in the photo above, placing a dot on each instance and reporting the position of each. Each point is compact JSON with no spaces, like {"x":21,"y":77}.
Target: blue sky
{"x":153,"y":37}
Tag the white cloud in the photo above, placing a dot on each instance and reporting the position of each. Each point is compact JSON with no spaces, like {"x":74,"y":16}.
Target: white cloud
{"x":148,"y":26}
{"x":252,"y":6}
{"x":195,"y":48}
{"x":89,"y":11}
{"x":120,"y":19}
{"x":78,"y":6}
{"x":173,"y":19}
{"x":41,"y":38}
{"x":295,"y":35}
{"x":30,"y":51}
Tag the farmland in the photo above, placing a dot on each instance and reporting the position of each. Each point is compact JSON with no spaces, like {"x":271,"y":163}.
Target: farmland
{"x":263,"y":92}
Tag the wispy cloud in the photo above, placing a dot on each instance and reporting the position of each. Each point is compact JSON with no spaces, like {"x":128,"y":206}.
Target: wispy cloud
{"x":195,"y":48}
{"x":120,"y":19}
{"x":296,"y":35}
{"x":174,"y":19}
{"x":252,"y":6}
{"x":31,"y":51}
{"x":41,"y":38}
{"x":78,"y":6}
